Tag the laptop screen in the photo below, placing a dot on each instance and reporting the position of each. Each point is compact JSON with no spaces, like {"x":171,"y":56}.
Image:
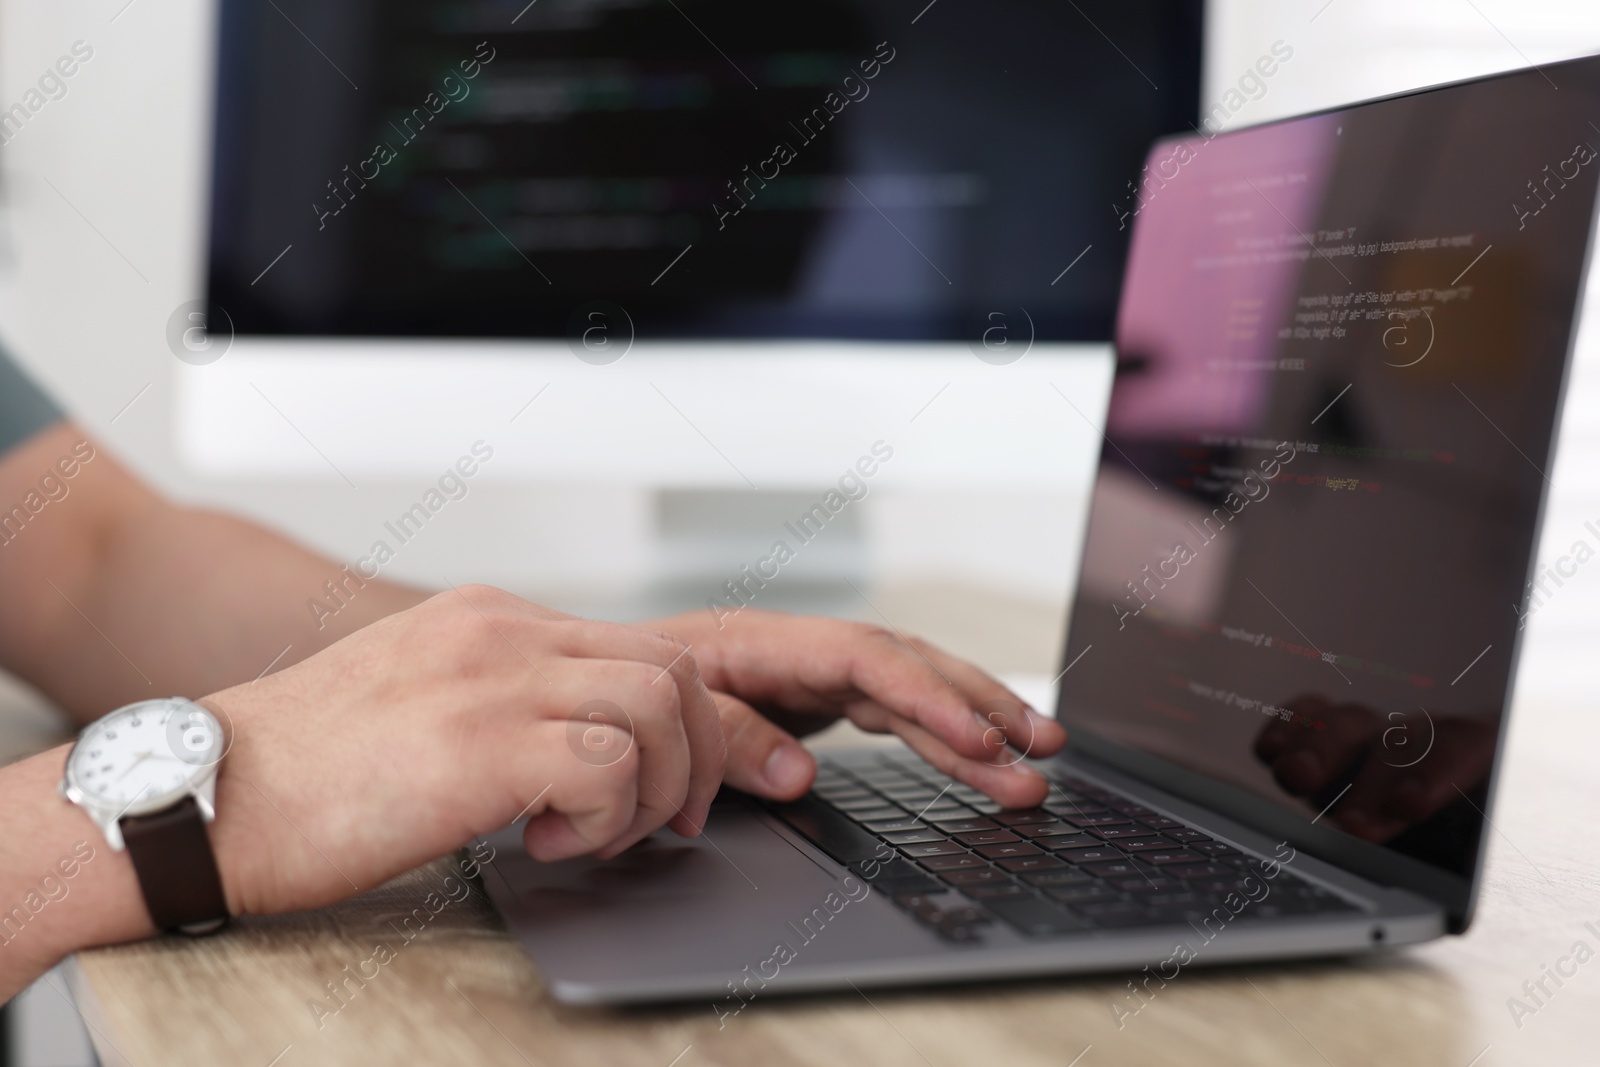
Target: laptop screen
{"x":1341,"y":351}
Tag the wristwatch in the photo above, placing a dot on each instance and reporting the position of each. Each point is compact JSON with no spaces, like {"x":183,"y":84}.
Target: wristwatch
{"x":147,"y":775}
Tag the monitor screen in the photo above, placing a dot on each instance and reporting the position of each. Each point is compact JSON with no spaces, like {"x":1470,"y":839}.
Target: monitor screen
{"x":858,"y":169}
{"x":1341,"y":353}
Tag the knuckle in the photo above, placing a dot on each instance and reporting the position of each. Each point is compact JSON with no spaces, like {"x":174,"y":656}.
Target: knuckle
{"x":676,"y":653}
{"x":484,"y":596}
{"x":871,"y":631}
{"x":670,"y":642}
{"x":650,"y":691}
{"x":661,"y":700}
{"x":466,"y":626}
{"x":619,"y":772}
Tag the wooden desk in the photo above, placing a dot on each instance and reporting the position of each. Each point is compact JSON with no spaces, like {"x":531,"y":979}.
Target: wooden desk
{"x":463,"y":993}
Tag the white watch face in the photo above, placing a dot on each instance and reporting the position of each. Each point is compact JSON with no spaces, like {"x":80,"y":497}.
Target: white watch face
{"x":145,"y":752}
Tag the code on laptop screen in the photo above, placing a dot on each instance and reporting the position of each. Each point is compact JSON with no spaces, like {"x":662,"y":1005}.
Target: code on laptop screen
{"x":1341,"y":351}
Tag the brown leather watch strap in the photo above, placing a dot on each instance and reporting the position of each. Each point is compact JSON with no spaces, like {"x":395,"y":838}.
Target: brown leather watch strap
{"x":177,"y":870}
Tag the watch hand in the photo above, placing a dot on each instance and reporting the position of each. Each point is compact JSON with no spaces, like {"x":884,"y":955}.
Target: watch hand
{"x":142,"y":757}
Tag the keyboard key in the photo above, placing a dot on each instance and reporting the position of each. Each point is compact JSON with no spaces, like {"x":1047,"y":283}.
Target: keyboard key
{"x":1133,"y":811}
{"x":913,"y":801}
{"x":1117,"y":833}
{"x":873,"y":869}
{"x":1107,"y":818}
{"x":1162,"y":859}
{"x":952,"y":862}
{"x":1112,"y":870}
{"x":1215,"y":848}
{"x":918,"y":903}
{"x":1031,"y":863}
{"x":1020,"y":818}
{"x":1000,"y":852}
{"x":853,"y":792}
{"x":1199,"y":901}
{"x":987,"y":837}
{"x":1175,"y":913}
{"x":956,"y":932}
{"x":914,"y":837}
{"x":892,"y":765}
{"x":1114,"y":913}
{"x":1036,"y":830}
{"x":1154,"y":883}
{"x":893,"y":826}
{"x":1090,"y":855}
{"x":957,"y":923}
{"x":878,"y":814}
{"x":1066,"y":841}
{"x":910,"y":792}
{"x":931,"y":908}
{"x":1202,"y":870}
{"x":896,"y":876}
{"x":1084,"y":894}
{"x":967,"y":913}
{"x":1160,"y":822}
{"x":886,"y":779}
{"x":1229,"y":883}
{"x":1186,"y":835}
{"x":912,"y":804}
{"x":829,"y":830}
{"x":862,"y":804}
{"x":976,"y":876}
{"x":966,"y":825}
{"x":1035,"y":917}
{"x":1057,"y":877}
{"x":1145,"y":844}
{"x":987,"y":893}
{"x":932,"y":848}
{"x":1079,"y":806}
{"x":987,"y":807}
{"x":943,"y":810}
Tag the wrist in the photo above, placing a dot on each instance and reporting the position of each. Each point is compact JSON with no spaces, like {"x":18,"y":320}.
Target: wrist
{"x":65,"y":889}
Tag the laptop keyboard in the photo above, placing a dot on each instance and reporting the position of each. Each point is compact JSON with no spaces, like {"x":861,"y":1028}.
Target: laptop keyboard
{"x":1088,"y":858}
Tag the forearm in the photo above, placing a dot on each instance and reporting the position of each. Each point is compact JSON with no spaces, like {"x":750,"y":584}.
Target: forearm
{"x":114,"y":594}
{"x":199,"y":602}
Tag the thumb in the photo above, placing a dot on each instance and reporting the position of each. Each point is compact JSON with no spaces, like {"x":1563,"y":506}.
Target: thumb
{"x":762,"y":758}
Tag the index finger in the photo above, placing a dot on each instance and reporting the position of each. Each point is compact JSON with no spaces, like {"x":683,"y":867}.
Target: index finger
{"x":955,"y":701}
{"x":1000,"y":711}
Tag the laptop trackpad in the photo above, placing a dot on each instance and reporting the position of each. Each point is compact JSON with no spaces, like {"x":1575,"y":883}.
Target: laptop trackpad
{"x":676,"y":907}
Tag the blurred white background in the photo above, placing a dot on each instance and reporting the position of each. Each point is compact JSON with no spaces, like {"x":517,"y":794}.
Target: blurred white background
{"x":591,"y":502}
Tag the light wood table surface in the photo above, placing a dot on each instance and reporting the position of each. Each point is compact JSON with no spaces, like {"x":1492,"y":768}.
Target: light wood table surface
{"x":462,"y":992}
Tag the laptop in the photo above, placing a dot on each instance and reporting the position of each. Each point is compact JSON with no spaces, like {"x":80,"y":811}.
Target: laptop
{"x":1341,"y":352}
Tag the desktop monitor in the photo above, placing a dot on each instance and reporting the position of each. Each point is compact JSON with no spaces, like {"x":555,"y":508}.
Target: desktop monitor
{"x":859,"y":170}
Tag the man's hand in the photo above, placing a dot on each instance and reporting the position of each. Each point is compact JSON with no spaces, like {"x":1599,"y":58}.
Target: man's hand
{"x":776,"y":675}
{"x":449,"y":720}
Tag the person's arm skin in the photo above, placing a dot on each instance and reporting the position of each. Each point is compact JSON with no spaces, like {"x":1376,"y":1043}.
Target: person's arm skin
{"x":445,"y":718}
{"x":113,"y":594}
